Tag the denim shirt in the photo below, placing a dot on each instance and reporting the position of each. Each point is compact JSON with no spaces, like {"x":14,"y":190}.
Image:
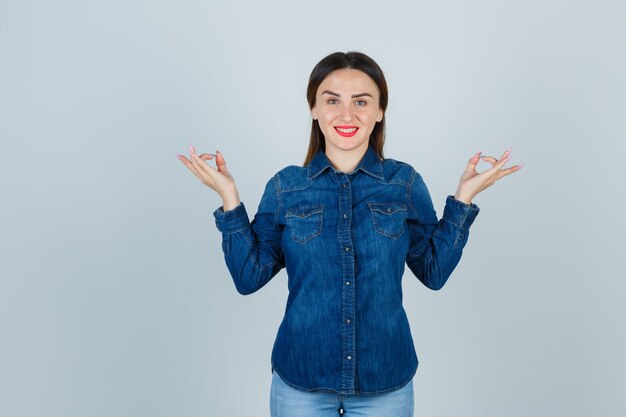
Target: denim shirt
{"x":344,"y":239}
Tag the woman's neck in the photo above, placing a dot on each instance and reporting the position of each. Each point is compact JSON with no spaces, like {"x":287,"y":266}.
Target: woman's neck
{"x":345,"y":161}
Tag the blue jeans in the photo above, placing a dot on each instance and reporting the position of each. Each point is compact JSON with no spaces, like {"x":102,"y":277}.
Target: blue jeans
{"x":286,"y":401}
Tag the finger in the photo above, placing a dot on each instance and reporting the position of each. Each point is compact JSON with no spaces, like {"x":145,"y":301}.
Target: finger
{"x":505,"y":172}
{"x":506,"y":156}
{"x":206,"y":156}
{"x":489,"y":159}
{"x":220,"y":162}
{"x":190,"y":166}
{"x":496,"y":166}
{"x":507,"y":152}
{"x":194,"y":162}
{"x":473,"y":161}
{"x":202,"y":167}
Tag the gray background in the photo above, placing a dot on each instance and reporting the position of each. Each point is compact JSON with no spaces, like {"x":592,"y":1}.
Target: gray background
{"x":114,"y":296}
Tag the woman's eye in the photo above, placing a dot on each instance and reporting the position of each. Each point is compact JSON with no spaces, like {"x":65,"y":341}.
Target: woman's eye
{"x":361,"y":101}
{"x":332,"y":101}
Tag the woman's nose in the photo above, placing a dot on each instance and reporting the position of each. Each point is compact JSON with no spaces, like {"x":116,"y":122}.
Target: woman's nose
{"x":346,"y":112}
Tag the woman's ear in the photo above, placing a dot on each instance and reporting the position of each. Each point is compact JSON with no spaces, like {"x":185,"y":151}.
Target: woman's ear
{"x":314,"y":113}
{"x":381,"y":113}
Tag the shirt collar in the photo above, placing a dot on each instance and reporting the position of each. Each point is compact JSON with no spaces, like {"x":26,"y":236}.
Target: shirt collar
{"x":370,"y":163}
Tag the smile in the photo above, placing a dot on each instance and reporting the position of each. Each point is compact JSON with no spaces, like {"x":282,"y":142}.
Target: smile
{"x":346,"y":131}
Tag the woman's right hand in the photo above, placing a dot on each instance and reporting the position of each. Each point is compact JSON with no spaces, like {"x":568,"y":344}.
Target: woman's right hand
{"x":218,"y":179}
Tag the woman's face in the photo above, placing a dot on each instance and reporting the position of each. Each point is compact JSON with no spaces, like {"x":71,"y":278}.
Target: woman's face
{"x":347,"y":109}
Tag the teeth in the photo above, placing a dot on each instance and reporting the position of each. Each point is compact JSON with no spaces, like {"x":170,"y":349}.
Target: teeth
{"x":352,"y":129}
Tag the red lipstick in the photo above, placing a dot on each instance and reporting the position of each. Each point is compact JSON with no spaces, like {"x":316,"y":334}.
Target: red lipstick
{"x":347,"y":134}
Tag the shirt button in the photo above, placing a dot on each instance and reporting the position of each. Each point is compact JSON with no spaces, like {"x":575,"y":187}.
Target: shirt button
{"x":345,"y":185}
{"x":349,"y":357}
{"x":388,"y":210}
{"x":347,"y":282}
{"x":345,"y":216}
{"x":347,"y":248}
{"x":348,"y":321}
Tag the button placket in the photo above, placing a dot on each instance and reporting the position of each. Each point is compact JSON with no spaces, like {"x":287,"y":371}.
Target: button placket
{"x":348,"y":297}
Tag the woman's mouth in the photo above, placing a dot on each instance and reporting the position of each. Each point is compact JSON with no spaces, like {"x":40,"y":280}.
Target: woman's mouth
{"x":346,"y":131}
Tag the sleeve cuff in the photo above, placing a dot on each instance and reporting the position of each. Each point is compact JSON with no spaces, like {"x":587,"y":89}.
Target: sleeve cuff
{"x":458,"y":213}
{"x":232,"y":220}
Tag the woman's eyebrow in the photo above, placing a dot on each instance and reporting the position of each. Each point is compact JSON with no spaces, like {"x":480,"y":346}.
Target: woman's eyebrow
{"x":339,"y":95}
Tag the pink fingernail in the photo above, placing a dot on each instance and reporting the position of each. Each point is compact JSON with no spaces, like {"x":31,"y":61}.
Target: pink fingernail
{"x":177,"y":156}
{"x":521,"y":166}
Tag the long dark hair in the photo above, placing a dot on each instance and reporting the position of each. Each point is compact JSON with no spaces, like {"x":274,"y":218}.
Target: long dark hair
{"x":340,"y":60}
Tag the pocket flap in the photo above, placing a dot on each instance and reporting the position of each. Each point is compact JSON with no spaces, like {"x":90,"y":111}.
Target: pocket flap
{"x":387,"y":208}
{"x":303,"y":212}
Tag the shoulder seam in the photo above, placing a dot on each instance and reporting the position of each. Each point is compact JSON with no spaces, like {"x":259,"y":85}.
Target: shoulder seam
{"x":277,"y":187}
{"x":410,"y":187}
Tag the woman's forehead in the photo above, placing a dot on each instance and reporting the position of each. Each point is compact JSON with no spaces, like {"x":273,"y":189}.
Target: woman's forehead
{"x":348,"y":80}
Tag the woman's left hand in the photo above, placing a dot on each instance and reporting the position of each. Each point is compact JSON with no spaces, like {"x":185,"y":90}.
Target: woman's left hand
{"x":472,"y":182}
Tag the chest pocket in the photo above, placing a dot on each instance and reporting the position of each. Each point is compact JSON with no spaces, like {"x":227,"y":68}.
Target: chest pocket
{"x":304,"y":223}
{"x":388,"y":218}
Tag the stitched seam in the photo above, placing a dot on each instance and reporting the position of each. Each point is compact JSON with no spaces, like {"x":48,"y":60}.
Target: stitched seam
{"x":401,"y":211}
{"x":408,"y":190}
{"x":319,"y":211}
{"x":459,"y":238}
{"x":254,"y":258}
{"x":375,"y":206}
{"x":277,"y":191}
{"x":246,"y":236}
{"x":266,"y":266}
{"x":465,"y":213}
{"x":238,"y":230}
{"x":299,"y":188}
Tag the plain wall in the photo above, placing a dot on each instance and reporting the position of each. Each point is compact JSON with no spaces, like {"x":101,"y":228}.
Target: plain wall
{"x":114,"y":296}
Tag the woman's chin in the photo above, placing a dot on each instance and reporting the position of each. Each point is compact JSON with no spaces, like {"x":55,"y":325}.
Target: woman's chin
{"x":346,"y":144}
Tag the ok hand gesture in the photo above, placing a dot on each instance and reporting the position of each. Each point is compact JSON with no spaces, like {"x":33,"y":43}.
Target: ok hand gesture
{"x":219,"y":180}
{"x":473,"y":182}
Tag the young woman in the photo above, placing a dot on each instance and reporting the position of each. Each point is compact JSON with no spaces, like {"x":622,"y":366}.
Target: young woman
{"x":344,"y":225}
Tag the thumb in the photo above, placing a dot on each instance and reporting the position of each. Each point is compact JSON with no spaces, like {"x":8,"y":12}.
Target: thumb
{"x":473,"y":161}
{"x":220,"y":162}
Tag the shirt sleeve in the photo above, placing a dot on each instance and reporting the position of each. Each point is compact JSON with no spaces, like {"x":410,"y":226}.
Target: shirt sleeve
{"x":436,"y":245}
{"x":252,"y":250}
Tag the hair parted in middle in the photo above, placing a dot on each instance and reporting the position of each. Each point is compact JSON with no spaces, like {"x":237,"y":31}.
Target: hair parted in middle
{"x":336,"y":61}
